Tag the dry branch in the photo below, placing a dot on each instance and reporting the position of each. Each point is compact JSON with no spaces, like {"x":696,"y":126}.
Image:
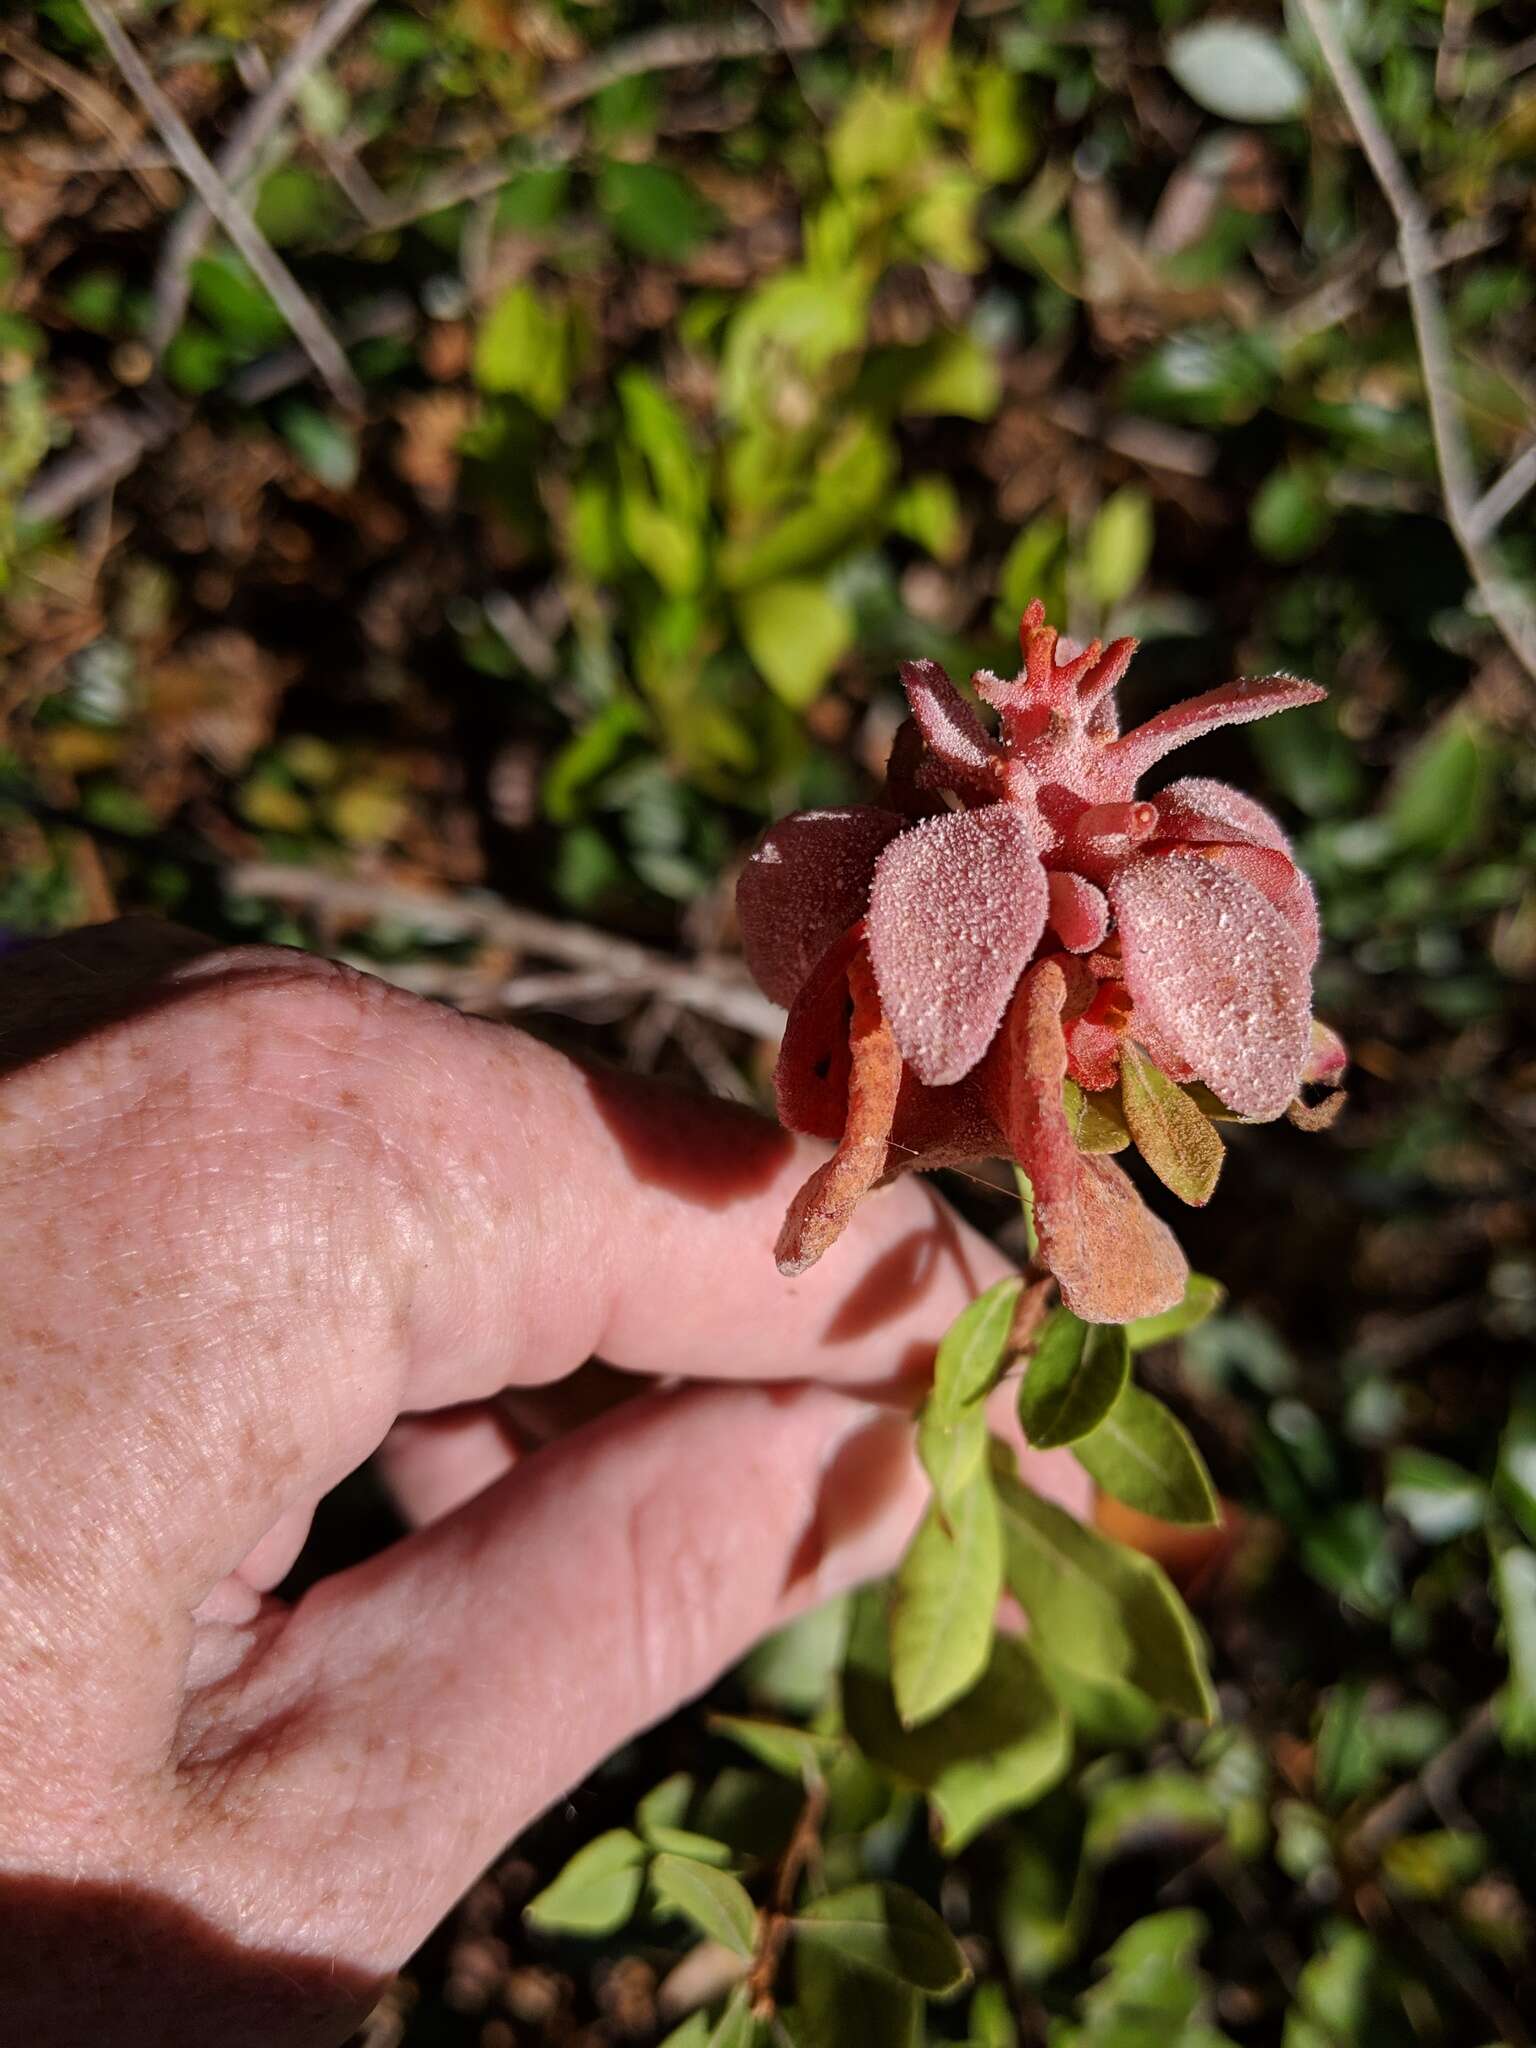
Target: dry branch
{"x":247,"y":139}
{"x":1509,"y":607}
{"x":716,"y":988}
{"x":320,"y":345}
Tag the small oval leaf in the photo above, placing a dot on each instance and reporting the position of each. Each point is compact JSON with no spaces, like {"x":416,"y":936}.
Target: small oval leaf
{"x":598,"y":1889}
{"x":1180,"y":1145}
{"x":1238,"y":70}
{"x":885,"y":1927}
{"x":716,"y":1903}
{"x":1074,"y":1379}
{"x":1142,"y":1454}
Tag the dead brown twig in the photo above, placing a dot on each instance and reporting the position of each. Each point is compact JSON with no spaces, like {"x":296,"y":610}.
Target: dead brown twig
{"x":320,"y":345}
{"x":1508,"y":606}
{"x":804,"y":1845}
{"x":260,"y":121}
{"x":605,"y":965}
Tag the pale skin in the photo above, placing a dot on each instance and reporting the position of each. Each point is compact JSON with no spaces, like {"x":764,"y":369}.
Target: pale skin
{"x":262,"y":1219}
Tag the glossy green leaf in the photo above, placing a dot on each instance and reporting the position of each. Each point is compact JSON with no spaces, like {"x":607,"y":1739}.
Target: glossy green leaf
{"x":997,"y":1749}
{"x":1074,"y":1379}
{"x":839,"y":2005}
{"x":598,"y":1889}
{"x":1202,"y":1297}
{"x":1238,"y":70}
{"x":1143,"y":1455}
{"x":1514,"y":1579}
{"x":794,"y":1752}
{"x":1099,"y":1608}
{"x":1437,"y":1499}
{"x":326,"y":447}
{"x":653,"y":210}
{"x":796,"y":632}
{"x":1117,"y":550}
{"x":972,"y":1355}
{"x":887,"y":1928}
{"x":944,"y":1603}
{"x":523,"y":349}
{"x":1515,"y":1477}
{"x":1148,"y":1810}
{"x":716,"y":1903}
{"x":737,"y":2026}
{"x":1180,"y":1145}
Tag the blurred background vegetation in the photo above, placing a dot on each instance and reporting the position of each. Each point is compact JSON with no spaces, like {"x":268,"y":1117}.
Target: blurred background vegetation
{"x":458,"y":573}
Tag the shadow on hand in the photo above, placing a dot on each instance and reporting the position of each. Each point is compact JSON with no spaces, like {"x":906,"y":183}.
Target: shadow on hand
{"x":707,"y":1151}
{"x":123,"y":1968}
{"x":59,"y":991}
{"x":901,"y":1276}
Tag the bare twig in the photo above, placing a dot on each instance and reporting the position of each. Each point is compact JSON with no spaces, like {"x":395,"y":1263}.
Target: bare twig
{"x":1434,"y":1787}
{"x":1345,"y":294}
{"x":1501,"y":498}
{"x":321,"y":346}
{"x":247,"y":139}
{"x":97,"y":104}
{"x":716,"y":988}
{"x":773,"y":1932}
{"x":657,"y":49}
{"x":115,"y":442}
{"x":1508,"y":606}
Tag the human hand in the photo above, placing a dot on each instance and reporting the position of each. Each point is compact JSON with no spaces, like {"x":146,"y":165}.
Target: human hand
{"x":262,"y":1219}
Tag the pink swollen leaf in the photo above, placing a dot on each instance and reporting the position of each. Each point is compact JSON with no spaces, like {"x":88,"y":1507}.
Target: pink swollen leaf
{"x":965,"y":758}
{"x":1216,"y":971}
{"x":1079,"y":913}
{"x":1199,"y":812}
{"x":806,"y":880}
{"x":956,"y":910}
{"x":1113,"y":1259}
{"x":1231,"y":704}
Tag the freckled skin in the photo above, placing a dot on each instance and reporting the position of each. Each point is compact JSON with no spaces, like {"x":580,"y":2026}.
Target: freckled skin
{"x":254,"y":1209}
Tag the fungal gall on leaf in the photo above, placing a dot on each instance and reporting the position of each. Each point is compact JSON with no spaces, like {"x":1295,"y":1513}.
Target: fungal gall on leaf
{"x":1014,"y":933}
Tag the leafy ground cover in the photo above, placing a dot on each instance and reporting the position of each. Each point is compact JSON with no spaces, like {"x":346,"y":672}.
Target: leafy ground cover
{"x":538,"y":500}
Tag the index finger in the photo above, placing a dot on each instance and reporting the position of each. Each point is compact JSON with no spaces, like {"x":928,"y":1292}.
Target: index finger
{"x":280,"y":1203}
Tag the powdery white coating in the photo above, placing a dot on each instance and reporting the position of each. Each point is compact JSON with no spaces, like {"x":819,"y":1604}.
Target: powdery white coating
{"x":1231,"y":704}
{"x":1079,"y":913}
{"x":1196,"y":807}
{"x":951,"y":729}
{"x":1218,"y":971}
{"x":957,"y":908}
{"x":806,"y":880}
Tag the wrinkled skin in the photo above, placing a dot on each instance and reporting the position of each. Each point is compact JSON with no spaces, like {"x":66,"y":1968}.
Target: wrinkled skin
{"x":1180,"y":922}
{"x":262,"y":1218}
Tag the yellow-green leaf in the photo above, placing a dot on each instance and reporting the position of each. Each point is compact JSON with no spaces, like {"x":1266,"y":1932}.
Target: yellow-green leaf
{"x":1097,"y":1120}
{"x":1180,"y":1145}
{"x":598,"y":1889}
{"x":715,"y":1902}
{"x":1143,"y":1455}
{"x":945,"y":1602}
{"x":796,"y":632}
{"x":1202,"y":1297}
{"x":886,"y":1928}
{"x":1073,"y":1381}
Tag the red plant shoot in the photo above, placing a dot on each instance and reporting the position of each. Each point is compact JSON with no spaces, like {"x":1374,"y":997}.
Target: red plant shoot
{"x":1016,"y":955}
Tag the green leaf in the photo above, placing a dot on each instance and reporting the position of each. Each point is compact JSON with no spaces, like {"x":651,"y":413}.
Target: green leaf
{"x":1437,"y":1499}
{"x":793,"y":1752}
{"x":997,"y":1749}
{"x":793,"y":1669}
{"x":796,"y":632}
{"x":1179,"y":1144}
{"x":944,"y":1605}
{"x":1291,"y":515}
{"x":1142,"y":1454}
{"x":1514,"y":1579}
{"x":1117,"y":550}
{"x":716,"y":1903}
{"x":990,"y":2023}
{"x":652,"y":210}
{"x":1515,"y":1476}
{"x":927,"y":510}
{"x":880,"y":133}
{"x":523,"y":349}
{"x":1096,"y":1121}
{"x":327,"y":449}
{"x":1098,"y":1608}
{"x":665,"y":1805}
{"x":598,"y":1889}
{"x":953,"y":376}
{"x":736,"y":2026}
{"x":952,"y":1428}
{"x":887,"y":1928}
{"x":839,"y":2005}
{"x":1202,"y":1297}
{"x":1074,"y":1379}
{"x":1149,"y":1807}
{"x":845,"y":496}
{"x":1238,"y":70}
{"x":1440,"y":800}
